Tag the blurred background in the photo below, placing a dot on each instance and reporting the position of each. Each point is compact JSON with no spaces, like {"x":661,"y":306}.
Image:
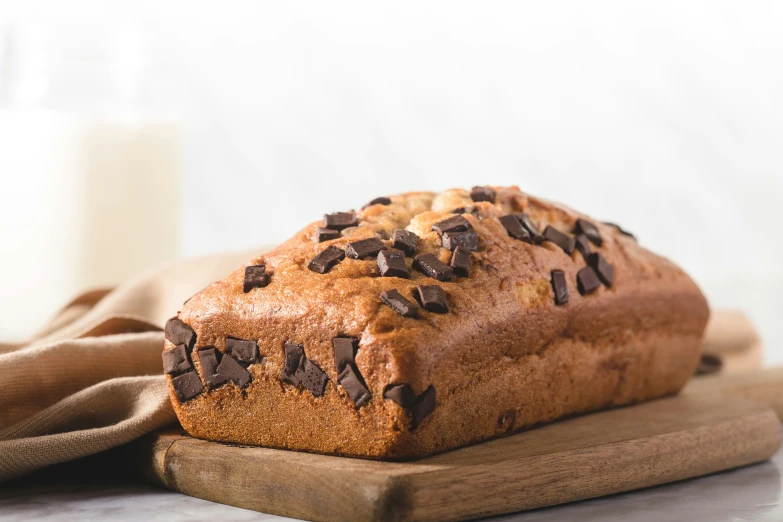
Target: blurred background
{"x":135,"y":133}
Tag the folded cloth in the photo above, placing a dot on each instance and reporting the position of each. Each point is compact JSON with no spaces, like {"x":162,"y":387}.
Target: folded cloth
{"x":93,"y":379}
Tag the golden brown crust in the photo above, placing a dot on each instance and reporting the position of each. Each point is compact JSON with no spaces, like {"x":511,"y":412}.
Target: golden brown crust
{"x":504,"y":357}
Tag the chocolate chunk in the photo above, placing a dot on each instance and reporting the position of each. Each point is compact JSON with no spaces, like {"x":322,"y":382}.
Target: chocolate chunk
{"x":602,"y":267}
{"x":230,"y":370}
{"x":364,"y":247}
{"x":324,"y":261}
{"x":402,"y":394}
{"x":709,"y":364}
{"x":452,"y":240}
{"x":452,"y":224}
{"x":482,"y":194}
{"x":591,"y":231}
{"x":179,"y":333}
{"x":345,"y":349}
{"x":460,"y":210}
{"x":340,"y":220}
{"x":560,"y":287}
{"x":531,"y":227}
{"x":620,"y":229}
{"x":378,"y":201}
{"x":255,"y":277}
{"x":431,"y":266}
{"x":399,"y":304}
{"x":294,"y":353}
{"x":354,"y":387}
{"x":208,"y":359}
{"x":424,"y":405}
{"x":515,"y":229}
{"x":583,"y":245}
{"x":432,"y":298}
{"x":176,"y":360}
{"x":406,"y":241}
{"x":325,"y":234}
{"x":243,"y":351}
{"x":587,"y":281}
{"x":392,"y":263}
{"x":460,"y":261}
{"x":187,"y":386}
{"x":312,"y":377}
{"x":568,"y":244}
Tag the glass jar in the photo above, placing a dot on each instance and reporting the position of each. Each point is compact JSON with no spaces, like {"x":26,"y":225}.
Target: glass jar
{"x":90,"y":156}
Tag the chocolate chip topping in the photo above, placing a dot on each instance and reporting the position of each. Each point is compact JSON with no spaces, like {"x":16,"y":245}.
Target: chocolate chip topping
{"x":340,"y":220}
{"x":418,"y":407}
{"x":325,"y":234}
{"x":482,"y":194}
{"x":383,"y":200}
{"x":560,"y":287}
{"x":515,"y":229}
{"x":402,"y":394}
{"x":345,"y":349}
{"x":312,"y":377}
{"x":453,"y":224}
{"x":301,"y":371}
{"x":563,"y":241}
{"x":353,"y":386}
{"x":460,"y":261}
{"x":364,"y":248}
{"x":324,"y":261}
{"x":243,"y":351}
{"x":255,"y":277}
{"x":431,"y":266}
{"x":208,"y":359}
{"x":179,"y":333}
{"x":602,"y":267}
{"x":591,"y":231}
{"x":399,"y":304}
{"x":583,"y":245}
{"x":230,"y":370}
{"x":187,"y":386}
{"x":176,"y":360}
{"x":452,"y":240}
{"x":424,"y":405}
{"x":392,"y":263}
{"x":432,"y":298}
{"x":293,"y":357}
{"x":460,"y":210}
{"x":531,"y":227}
{"x":620,"y":230}
{"x":709,"y":364}
{"x":406,"y":241}
{"x":587,"y":281}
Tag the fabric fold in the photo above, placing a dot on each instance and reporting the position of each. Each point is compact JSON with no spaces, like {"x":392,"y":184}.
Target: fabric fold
{"x":92,"y":379}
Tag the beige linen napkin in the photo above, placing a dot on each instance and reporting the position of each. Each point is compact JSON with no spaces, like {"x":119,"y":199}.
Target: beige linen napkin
{"x":92,"y":379}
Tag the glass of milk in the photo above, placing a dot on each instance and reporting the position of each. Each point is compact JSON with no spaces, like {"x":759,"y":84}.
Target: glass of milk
{"x":90,"y":155}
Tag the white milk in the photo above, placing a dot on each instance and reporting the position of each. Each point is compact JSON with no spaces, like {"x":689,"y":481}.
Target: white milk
{"x":87,"y":201}
{"x":89,"y":165}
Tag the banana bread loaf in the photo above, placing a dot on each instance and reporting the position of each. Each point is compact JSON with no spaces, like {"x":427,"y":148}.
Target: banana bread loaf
{"x":424,"y":322}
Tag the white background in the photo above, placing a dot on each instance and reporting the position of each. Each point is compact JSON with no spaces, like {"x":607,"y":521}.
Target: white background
{"x":666,"y":117}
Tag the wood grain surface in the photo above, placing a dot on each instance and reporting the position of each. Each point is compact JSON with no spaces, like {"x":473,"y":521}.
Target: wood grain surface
{"x":699,"y":432}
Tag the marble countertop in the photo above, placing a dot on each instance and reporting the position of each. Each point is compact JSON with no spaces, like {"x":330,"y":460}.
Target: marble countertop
{"x":751,"y":493}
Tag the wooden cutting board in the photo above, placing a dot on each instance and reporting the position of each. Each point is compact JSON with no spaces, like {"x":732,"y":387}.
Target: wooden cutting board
{"x":717,"y":423}
{"x":702,"y":431}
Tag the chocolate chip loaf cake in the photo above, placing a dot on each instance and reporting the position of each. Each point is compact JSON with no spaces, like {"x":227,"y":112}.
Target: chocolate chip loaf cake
{"x":424,"y":322}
